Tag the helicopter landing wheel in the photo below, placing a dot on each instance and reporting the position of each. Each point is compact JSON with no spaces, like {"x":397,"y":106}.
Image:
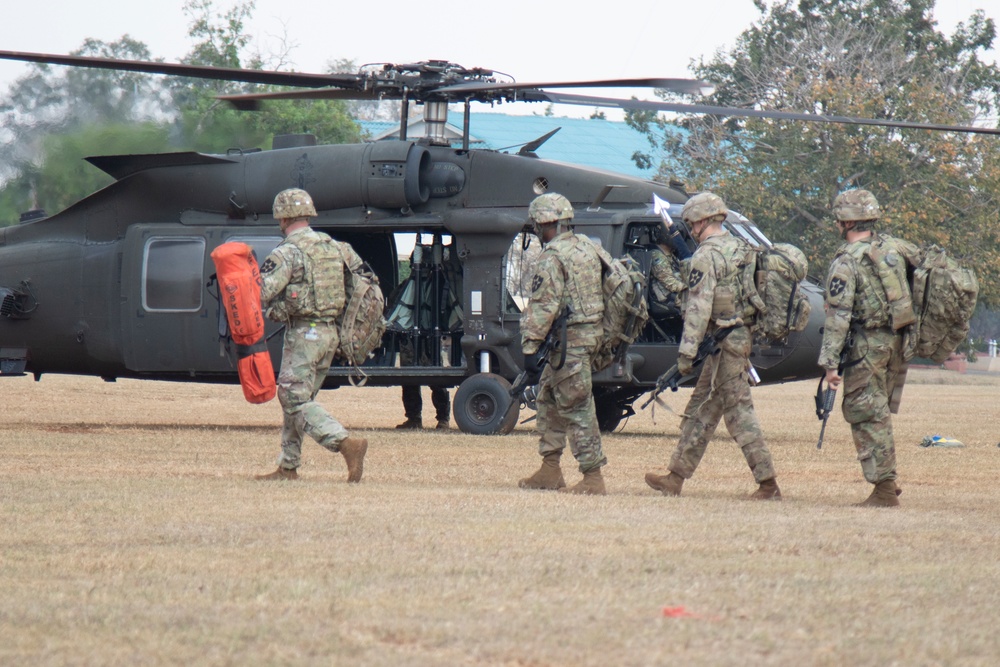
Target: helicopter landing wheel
{"x":481,"y":405}
{"x":609,"y":417}
{"x":611,"y":409}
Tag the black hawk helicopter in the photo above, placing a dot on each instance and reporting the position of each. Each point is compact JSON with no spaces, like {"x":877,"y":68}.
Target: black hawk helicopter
{"x":118,"y":284}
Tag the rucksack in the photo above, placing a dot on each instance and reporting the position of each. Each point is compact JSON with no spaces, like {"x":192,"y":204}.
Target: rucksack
{"x":779,"y":272}
{"x":361,"y":322}
{"x":944,"y":294}
{"x":623,"y":286}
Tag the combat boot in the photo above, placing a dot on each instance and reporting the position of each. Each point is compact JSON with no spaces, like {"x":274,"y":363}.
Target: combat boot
{"x":768,"y":491}
{"x":592,"y":484}
{"x":411,"y":423}
{"x":443,"y":425}
{"x":883,"y":495}
{"x":549,"y":477}
{"x":279,"y":474}
{"x":668,"y":485}
{"x":354,"y":450}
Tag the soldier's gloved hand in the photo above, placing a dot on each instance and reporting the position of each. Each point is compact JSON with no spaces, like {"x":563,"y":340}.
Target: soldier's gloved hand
{"x":685,"y":365}
{"x":533,"y":366}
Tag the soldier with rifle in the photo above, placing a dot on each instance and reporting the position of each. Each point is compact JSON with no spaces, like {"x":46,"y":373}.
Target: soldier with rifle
{"x":867,"y":290}
{"x":716,"y":301}
{"x":567,"y":275}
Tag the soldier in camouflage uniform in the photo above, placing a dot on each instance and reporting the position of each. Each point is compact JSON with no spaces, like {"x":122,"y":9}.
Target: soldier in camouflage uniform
{"x":717,"y":299}
{"x":866,"y":279}
{"x":303,"y":287}
{"x":665,"y":272}
{"x":567,"y":274}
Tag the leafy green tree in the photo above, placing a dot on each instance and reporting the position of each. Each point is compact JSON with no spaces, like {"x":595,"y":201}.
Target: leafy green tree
{"x":210,"y":125}
{"x":55,"y":116}
{"x":870,"y":58}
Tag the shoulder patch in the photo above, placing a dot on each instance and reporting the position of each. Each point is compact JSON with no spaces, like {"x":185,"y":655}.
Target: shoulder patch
{"x":268,"y":266}
{"x":536,"y":283}
{"x":695,"y":277}
{"x":836,"y":286}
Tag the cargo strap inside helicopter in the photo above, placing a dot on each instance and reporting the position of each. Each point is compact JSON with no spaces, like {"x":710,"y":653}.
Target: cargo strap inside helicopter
{"x":424,"y":312}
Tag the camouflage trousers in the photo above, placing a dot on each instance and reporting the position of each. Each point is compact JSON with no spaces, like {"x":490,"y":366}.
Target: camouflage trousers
{"x":723,"y":392}
{"x":305,"y":358}
{"x":566,"y":409}
{"x":867,"y":386}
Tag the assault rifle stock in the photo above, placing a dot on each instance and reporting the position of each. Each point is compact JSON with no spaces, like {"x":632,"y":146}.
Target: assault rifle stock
{"x":673,"y":377}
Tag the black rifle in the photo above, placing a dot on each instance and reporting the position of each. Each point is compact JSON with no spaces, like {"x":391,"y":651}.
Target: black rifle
{"x":824,"y":406}
{"x":826,"y":398}
{"x":673,"y":377}
{"x":555,"y":340}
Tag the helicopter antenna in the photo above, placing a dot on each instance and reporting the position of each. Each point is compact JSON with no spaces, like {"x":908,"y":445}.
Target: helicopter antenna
{"x":605,"y":191}
{"x":532,"y":146}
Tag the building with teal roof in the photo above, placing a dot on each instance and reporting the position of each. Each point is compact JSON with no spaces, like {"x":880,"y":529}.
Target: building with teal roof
{"x":591,"y":142}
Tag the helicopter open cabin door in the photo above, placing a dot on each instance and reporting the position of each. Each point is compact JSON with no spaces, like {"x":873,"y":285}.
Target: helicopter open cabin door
{"x":168,"y":312}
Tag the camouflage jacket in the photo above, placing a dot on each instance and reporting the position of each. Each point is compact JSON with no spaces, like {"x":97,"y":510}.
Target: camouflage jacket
{"x":666,"y":274}
{"x":304,"y":277}
{"x":855,"y":293}
{"x":714,"y":291}
{"x":568,"y":272}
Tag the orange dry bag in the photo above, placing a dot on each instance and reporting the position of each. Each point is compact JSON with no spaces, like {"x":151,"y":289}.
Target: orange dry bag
{"x":239,"y":291}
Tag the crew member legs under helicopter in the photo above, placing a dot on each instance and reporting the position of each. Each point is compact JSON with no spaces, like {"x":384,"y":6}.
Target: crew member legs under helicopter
{"x":413,"y":403}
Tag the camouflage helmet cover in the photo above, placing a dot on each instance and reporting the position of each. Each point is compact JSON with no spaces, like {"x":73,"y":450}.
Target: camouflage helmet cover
{"x":293,"y":203}
{"x":702,"y":206}
{"x":550,"y":207}
{"x":855,"y":205}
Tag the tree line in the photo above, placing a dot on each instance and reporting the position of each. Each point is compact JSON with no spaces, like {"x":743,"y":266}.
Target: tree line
{"x":53,"y":117}
{"x":881,"y":59}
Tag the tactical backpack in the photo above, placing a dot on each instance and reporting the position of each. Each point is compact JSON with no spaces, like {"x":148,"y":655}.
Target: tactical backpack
{"x":779,"y":272}
{"x":361,"y":323}
{"x":625,"y":310}
{"x":945,"y":295}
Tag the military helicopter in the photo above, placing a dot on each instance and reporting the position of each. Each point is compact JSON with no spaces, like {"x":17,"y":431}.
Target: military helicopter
{"x":119,"y":284}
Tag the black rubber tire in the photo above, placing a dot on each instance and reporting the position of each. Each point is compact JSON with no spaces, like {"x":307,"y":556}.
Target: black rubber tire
{"x":609,"y":415}
{"x":481,"y":405}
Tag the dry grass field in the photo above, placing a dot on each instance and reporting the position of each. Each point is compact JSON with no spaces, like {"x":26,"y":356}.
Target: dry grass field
{"x":131,"y":533}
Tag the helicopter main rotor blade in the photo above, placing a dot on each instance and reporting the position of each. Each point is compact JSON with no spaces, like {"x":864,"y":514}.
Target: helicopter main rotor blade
{"x":268,"y":77}
{"x":513,"y":91}
{"x":646,"y":105}
{"x":251,"y":101}
{"x":680,"y":86}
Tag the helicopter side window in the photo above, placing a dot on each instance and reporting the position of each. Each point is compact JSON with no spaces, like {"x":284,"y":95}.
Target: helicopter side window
{"x":172,"y":274}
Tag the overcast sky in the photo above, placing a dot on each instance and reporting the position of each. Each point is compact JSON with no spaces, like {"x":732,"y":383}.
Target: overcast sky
{"x":531,"y":40}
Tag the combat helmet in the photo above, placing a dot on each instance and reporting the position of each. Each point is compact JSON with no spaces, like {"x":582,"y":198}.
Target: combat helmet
{"x":293,"y":203}
{"x":702,"y":206}
{"x":550,"y":207}
{"x":855,"y":205}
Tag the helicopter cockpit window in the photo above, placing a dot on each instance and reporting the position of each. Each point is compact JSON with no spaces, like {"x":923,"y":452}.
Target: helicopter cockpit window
{"x":748,"y":231}
{"x":519,"y":269}
{"x":172,"y":274}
